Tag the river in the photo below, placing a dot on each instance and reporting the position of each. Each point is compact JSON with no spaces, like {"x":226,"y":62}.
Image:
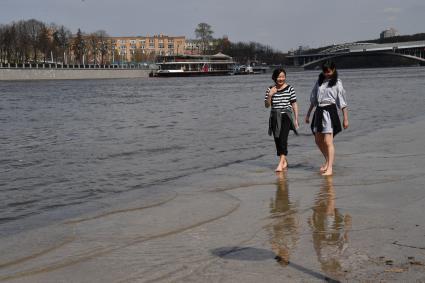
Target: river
{"x":73,"y":146}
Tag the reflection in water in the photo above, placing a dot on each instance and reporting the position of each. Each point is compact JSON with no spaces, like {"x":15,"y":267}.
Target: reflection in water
{"x":329,"y":229}
{"x":284,"y":230}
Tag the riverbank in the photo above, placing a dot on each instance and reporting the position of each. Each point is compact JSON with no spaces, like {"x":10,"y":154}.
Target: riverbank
{"x":13,"y":74}
{"x":243,"y":223}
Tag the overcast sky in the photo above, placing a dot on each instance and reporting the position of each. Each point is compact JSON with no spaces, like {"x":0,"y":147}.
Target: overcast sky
{"x":280,"y":24}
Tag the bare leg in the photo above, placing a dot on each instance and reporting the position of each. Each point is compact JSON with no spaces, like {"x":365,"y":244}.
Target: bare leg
{"x":330,"y":153}
{"x":319,"y":138}
{"x":282,"y":163}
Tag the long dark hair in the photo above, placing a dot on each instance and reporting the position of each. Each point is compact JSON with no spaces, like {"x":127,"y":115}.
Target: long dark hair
{"x":328,"y":65}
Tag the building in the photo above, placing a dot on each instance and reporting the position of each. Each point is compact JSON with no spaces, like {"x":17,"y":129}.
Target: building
{"x":145,"y":48}
{"x":391,"y":32}
{"x":301,"y":49}
{"x":196,"y":47}
{"x":192,"y":47}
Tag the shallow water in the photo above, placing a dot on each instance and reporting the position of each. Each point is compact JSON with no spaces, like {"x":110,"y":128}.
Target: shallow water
{"x":68,"y":147}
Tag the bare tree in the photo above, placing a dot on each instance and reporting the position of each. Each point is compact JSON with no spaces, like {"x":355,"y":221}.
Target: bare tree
{"x":92,"y":44}
{"x":7,"y":40}
{"x":204,"y":33}
{"x":103,"y":45}
{"x":13,"y":43}
{"x":20,"y":42}
{"x":33,"y":29}
{"x":2,"y":45}
{"x":61,"y":41}
{"x":44,"y":43}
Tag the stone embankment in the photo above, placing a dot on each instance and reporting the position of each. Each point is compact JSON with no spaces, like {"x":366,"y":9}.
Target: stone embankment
{"x":70,"y":72}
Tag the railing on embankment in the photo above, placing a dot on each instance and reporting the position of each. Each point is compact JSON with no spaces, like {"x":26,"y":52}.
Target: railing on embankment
{"x":51,"y":71}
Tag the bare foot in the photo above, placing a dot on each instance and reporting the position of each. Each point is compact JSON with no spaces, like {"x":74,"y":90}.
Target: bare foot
{"x":328,"y":172}
{"x":324,"y":167}
{"x":281,"y":167}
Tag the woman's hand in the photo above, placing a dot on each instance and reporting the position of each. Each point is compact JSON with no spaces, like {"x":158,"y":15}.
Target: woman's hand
{"x":345,"y":123}
{"x":307,"y":116}
{"x":268,"y":101}
{"x":345,"y":119}
{"x":272,"y":91}
{"x":296,"y":125}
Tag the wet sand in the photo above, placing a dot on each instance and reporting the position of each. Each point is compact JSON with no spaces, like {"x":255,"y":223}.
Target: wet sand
{"x":244,"y":223}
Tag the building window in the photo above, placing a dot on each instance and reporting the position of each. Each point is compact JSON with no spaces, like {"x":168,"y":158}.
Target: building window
{"x":161,"y":45}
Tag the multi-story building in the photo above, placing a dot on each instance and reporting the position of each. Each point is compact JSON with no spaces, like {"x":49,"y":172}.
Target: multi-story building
{"x":143,"y":48}
{"x":196,"y":47}
{"x":391,"y":32}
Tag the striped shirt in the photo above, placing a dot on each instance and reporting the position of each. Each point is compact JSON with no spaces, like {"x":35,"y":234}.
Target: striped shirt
{"x":282,"y":99}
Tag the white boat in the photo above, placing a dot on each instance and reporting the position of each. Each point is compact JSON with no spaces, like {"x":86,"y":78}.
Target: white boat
{"x":194,"y":65}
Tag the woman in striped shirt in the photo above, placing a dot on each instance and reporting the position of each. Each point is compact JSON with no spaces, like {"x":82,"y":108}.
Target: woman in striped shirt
{"x":283,"y":114}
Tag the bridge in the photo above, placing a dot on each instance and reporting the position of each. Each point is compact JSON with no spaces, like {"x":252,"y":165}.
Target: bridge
{"x":363,"y":55}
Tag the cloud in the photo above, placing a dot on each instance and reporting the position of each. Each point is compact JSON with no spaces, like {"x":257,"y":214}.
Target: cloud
{"x":392,"y":10}
{"x":392,"y":13}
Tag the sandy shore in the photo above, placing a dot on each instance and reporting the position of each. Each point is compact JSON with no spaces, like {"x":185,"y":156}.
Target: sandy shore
{"x":243,"y":223}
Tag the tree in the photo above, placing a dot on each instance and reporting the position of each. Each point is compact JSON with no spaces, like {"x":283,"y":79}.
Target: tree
{"x":44,"y":42}
{"x":204,"y":33}
{"x":250,"y":53}
{"x":34,"y":29}
{"x":93,"y":43}
{"x":2,"y":43}
{"x":223,"y":45}
{"x":102,"y":37}
{"x":61,"y":40}
{"x":20,"y":42}
{"x":8,"y":42}
{"x":79,"y":47}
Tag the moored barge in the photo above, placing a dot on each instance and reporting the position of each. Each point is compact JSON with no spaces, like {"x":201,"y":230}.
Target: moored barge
{"x":194,"y":65}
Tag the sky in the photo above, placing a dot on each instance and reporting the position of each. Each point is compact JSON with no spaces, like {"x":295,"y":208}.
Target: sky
{"x":281,"y":24}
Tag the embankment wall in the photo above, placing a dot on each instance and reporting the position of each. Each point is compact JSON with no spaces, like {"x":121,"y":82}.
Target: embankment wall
{"x":7,"y":74}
